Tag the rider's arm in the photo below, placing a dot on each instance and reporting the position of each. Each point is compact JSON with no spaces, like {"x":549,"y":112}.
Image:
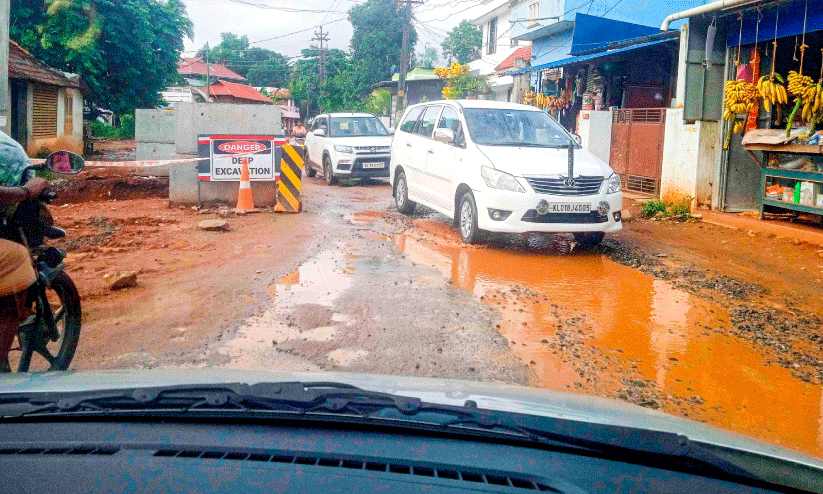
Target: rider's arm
{"x":32,"y":190}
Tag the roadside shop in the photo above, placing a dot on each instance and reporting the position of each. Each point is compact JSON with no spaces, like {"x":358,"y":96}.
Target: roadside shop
{"x":772,"y":157}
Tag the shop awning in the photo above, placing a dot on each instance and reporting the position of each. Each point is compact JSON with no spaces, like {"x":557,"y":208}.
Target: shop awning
{"x":590,"y":56}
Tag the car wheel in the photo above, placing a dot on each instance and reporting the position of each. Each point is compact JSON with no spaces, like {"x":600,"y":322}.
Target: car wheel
{"x":328,"y":174}
{"x":401,"y":195}
{"x":469,"y":231}
{"x":310,"y":171}
{"x":588,"y":239}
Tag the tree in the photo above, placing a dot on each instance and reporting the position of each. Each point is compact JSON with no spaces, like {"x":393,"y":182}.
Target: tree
{"x":376,"y":42}
{"x":379,"y":102}
{"x":463,"y":43}
{"x":260,"y":66}
{"x":305,"y":88}
{"x":125,"y":52}
{"x":429,"y":56}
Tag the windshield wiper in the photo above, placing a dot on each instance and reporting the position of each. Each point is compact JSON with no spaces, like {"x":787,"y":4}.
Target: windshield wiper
{"x":336,"y":401}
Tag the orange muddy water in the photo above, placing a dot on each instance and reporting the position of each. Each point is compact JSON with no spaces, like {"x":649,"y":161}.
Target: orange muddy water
{"x":588,"y":324}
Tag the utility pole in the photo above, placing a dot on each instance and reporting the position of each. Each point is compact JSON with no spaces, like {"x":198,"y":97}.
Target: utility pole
{"x":404,"y":52}
{"x":208,"y":75}
{"x":321,"y":37}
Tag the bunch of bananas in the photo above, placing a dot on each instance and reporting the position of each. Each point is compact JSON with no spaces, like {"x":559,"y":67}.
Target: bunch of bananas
{"x":772,"y":92}
{"x":528,"y":98}
{"x":807,"y":96}
{"x":741,"y":97}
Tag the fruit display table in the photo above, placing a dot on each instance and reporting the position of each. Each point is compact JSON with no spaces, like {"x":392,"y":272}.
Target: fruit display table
{"x":810,"y":180}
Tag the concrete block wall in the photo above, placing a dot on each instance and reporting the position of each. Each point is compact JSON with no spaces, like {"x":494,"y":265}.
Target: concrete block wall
{"x":193,"y":119}
{"x":595,"y":129}
{"x":154,"y":134}
{"x":181,"y":191}
{"x":691,"y":152}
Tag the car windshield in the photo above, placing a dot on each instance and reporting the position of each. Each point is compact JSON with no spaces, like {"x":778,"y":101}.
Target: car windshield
{"x":356,"y":127}
{"x":278,"y":188}
{"x":514,"y":127}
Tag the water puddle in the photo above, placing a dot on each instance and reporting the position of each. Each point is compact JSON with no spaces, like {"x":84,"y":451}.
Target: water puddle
{"x":583,"y":322}
{"x":365,"y":217}
{"x":300,"y":311}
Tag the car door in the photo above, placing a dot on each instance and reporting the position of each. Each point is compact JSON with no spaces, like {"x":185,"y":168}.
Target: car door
{"x":315,"y":143}
{"x":420,"y":151}
{"x":443,"y":159}
{"x":401,"y":142}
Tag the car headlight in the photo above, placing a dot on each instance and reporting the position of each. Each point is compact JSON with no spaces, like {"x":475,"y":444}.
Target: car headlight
{"x":343,"y":149}
{"x":500,"y":180}
{"x":614,"y":184}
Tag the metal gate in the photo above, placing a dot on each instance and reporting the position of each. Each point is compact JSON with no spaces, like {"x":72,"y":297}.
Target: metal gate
{"x":637,"y":148}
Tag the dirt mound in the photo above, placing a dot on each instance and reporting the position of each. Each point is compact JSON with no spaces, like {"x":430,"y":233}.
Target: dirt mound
{"x":106,"y":186}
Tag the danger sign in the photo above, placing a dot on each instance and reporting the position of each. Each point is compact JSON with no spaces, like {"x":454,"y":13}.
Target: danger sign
{"x":227,"y":152}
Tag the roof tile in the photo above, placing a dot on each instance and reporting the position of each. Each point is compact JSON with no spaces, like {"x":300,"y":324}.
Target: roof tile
{"x":23,"y":65}
{"x":241,"y":91}
{"x":524,"y":52}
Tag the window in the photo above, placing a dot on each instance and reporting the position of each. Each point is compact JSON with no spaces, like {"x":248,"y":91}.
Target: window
{"x":411,"y":120}
{"x":356,"y":127}
{"x":68,"y":110}
{"x":492,"y":42}
{"x":450,"y":120}
{"x":427,"y":123}
{"x":320,"y":123}
{"x":534,"y":14}
{"x":44,"y":111}
{"x":510,"y":127}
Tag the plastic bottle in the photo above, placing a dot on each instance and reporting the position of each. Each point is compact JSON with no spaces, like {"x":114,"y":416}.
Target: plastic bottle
{"x":797,"y":192}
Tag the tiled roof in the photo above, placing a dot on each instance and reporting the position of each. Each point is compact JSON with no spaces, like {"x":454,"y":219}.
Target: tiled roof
{"x":524,"y":52}
{"x":241,"y":91}
{"x":23,"y":65}
{"x":196,"y":66}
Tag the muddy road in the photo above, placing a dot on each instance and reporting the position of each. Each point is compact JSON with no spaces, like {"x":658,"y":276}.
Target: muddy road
{"x":717,"y":325}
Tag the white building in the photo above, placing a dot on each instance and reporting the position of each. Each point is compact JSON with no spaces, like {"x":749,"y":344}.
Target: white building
{"x":497,"y":46}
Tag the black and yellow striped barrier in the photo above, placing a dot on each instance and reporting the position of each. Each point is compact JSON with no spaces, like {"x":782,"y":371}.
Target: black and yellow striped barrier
{"x":291,"y":174}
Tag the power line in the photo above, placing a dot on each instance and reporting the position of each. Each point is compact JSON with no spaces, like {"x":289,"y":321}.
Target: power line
{"x":286,"y":9}
{"x":297,"y":32}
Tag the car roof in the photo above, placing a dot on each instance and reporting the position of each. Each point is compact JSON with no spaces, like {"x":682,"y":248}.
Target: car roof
{"x":347,"y":115}
{"x":477,"y":103}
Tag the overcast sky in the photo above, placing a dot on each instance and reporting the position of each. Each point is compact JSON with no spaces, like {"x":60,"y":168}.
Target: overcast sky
{"x":211,"y":17}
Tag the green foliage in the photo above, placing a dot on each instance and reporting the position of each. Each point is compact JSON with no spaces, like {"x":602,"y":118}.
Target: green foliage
{"x":125,"y":52}
{"x":335,"y":95}
{"x":379,"y":102}
{"x":42,"y":153}
{"x":376,"y":43}
{"x":429,"y":57}
{"x":667,"y":209}
{"x":463,"y":43}
{"x":102,"y":129}
{"x":126,"y":130}
{"x":260,"y":66}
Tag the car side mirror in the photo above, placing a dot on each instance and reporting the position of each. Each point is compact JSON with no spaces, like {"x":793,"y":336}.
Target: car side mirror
{"x":444,"y":135}
{"x":391,"y":131}
{"x":319,"y":132}
{"x":65,"y":162}
{"x":577,"y":138}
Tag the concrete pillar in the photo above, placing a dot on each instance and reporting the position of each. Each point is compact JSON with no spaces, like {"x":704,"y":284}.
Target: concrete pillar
{"x":5,"y":94}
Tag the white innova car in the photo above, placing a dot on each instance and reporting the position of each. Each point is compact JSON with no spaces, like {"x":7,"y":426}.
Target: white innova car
{"x":347,"y":145}
{"x":502,"y":167}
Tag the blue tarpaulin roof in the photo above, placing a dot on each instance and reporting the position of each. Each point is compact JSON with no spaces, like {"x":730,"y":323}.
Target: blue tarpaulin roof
{"x":592,"y":32}
{"x":582,"y":58}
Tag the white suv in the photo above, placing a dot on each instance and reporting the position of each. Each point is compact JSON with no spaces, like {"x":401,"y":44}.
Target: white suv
{"x":502,"y":167}
{"x":347,"y":145}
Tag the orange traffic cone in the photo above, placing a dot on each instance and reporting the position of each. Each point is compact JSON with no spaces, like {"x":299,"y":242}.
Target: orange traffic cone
{"x":244,"y":200}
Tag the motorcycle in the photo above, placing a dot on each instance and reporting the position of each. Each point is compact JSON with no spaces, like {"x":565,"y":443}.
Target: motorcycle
{"x":53,"y":331}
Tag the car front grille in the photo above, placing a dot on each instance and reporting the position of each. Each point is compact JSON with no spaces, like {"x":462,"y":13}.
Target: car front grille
{"x":372,"y":149}
{"x":583,"y":186}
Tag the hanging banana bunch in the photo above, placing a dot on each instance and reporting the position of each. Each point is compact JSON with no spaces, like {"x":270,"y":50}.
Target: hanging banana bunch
{"x":740,"y":97}
{"x":528,"y":98}
{"x":771,"y":89}
{"x":805,"y":91}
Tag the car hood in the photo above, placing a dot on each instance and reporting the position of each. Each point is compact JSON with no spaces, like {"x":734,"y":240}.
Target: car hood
{"x":522,"y":161}
{"x":362,"y":141}
{"x":507,"y":398}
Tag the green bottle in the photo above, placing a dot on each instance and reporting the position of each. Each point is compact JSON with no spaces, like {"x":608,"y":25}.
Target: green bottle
{"x":797,"y":192}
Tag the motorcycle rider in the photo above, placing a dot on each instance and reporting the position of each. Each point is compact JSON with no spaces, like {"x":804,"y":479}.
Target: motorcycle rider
{"x":16,"y":269}
{"x":298,"y":131}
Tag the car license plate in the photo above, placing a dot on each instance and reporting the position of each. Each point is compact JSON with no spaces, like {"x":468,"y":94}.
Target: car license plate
{"x":569,"y":207}
{"x":374,"y":165}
